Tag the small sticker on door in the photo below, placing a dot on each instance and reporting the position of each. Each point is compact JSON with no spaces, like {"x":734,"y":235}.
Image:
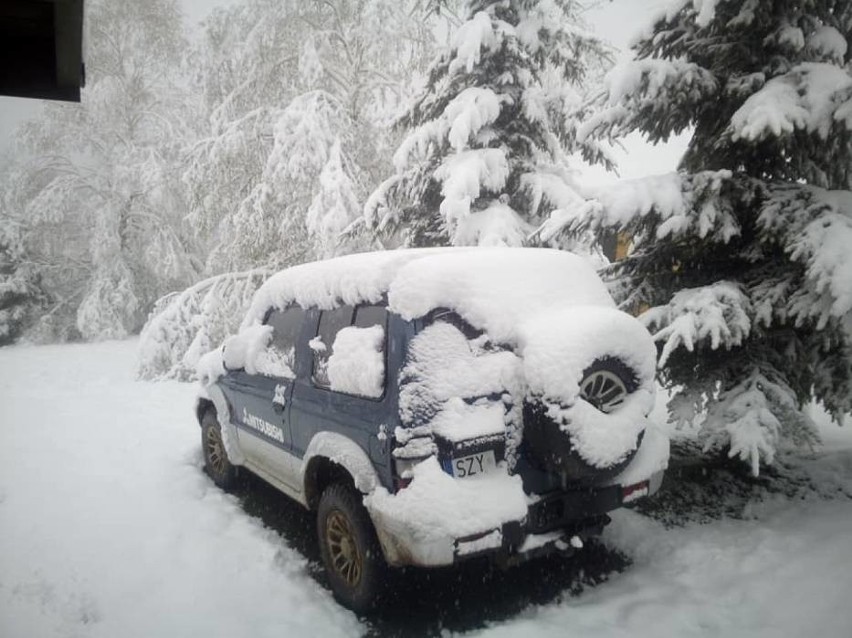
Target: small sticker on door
{"x":280,"y":397}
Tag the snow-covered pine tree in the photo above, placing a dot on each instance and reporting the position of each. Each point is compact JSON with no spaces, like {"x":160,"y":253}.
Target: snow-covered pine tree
{"x":21,"y":295}
{"x":484,"y":161}
{"x":743,"y":255}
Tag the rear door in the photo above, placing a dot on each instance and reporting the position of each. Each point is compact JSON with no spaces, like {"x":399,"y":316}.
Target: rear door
{"x":261,"y":401}
{"x":348,"y":389}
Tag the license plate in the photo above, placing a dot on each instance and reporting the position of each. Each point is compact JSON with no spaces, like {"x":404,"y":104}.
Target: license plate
{"x":474,"y":464}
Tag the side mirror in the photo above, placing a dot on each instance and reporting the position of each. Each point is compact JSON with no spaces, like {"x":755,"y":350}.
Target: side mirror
{"x":224,"y":358}
{"x":229,"y":366}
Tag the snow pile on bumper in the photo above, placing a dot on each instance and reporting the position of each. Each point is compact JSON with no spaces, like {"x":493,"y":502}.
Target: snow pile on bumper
{"x":420,"y":524}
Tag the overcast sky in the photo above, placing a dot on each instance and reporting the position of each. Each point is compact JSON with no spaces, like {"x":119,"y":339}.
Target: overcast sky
{"x":618,"y":21}
{"x":614,"y":20}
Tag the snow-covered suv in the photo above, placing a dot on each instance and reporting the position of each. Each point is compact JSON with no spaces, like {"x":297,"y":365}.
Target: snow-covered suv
{"x":434,"y":405}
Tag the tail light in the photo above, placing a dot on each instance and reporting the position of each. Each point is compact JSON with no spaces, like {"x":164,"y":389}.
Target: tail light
{"x":403,"y":472}
{"x":632,"y":492}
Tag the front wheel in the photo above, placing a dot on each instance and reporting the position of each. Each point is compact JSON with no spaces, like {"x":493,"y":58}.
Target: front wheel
{"x":216,"y":462}
{"x":349,"y":547}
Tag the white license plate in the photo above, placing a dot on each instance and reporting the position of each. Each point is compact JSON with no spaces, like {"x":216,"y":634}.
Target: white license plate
{"x":474,"y":464}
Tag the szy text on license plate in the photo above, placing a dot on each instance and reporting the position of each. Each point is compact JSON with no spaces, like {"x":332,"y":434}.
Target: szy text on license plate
{"x":474,"y":464}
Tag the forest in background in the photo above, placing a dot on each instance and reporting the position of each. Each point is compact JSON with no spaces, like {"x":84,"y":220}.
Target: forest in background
{"x":297,"y":130}
{"x":253,"y":144}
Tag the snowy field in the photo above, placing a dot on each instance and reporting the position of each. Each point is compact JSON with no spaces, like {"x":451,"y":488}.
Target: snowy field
{"x":109,"y":528}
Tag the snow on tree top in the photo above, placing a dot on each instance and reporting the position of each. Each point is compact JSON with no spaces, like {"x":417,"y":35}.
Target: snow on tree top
{"x":495,"y":289}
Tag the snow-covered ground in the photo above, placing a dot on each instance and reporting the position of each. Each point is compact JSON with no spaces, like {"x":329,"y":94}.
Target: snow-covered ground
{"x":786,"y":573}
{"x":109,"y":528}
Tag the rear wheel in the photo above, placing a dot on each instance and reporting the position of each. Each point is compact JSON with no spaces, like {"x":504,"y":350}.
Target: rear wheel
{"x":349,"y":547}
{"x":216,"y":462}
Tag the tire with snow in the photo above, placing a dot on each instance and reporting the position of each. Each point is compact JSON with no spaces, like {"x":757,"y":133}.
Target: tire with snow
{"x":350,"y":550}
{"x":605,"y":384}
{"x":216,"y":462}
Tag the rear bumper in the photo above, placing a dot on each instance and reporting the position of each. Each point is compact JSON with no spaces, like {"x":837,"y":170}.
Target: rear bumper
{"x":556,"y":523}
{"x":519,"y":545}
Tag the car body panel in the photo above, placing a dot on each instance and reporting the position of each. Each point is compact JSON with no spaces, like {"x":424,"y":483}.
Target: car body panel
{"x":277,"y":427}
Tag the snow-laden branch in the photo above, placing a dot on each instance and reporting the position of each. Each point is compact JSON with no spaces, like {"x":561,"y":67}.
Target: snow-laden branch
{"x":750,"y":418}
{"x":674,"y":205}
{"x":463,"y":118}
{"x":812,"y":97}
{"x":642,"y":94}
{"x":184,"y":326}
{"x":718,"y":314}
{"x":814,"y":227}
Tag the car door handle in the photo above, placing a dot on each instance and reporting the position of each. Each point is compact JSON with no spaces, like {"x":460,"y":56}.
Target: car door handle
{"x":278,"y":407}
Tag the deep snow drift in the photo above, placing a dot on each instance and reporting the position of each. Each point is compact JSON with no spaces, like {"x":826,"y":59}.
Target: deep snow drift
{"x":109,"y":528}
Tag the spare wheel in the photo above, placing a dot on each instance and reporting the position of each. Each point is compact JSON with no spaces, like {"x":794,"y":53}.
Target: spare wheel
{"x":605,"y":384}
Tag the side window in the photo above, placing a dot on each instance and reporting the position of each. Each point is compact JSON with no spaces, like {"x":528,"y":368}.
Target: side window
{"x":444,"y":315}
{"x":331,"y":322}
{"x":279,"y":357}
{"x":349,"y":356}
{"x":366,"y":316}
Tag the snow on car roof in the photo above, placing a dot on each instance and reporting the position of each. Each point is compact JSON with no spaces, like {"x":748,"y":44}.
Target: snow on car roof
{"x":495,"y":289}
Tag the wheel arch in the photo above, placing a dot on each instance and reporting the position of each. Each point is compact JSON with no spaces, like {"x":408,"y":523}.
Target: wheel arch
{"x":202,"y":404}
{"x":213,"y":397}
{"x":331,"y":458}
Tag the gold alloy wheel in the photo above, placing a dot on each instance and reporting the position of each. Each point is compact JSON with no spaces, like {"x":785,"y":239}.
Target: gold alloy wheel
{"x":215,"y":451}
{"x":343,"y":548}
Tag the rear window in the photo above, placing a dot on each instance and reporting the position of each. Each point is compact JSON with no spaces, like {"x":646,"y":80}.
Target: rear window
{"x":366,"y":316}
